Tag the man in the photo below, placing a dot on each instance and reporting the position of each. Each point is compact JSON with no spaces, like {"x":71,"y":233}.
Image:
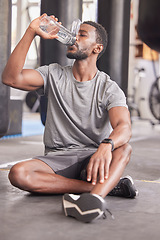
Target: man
{"x":87,"y":127}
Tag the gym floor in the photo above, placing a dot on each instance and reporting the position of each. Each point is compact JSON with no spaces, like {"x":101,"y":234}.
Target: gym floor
{"x":26,"y":216}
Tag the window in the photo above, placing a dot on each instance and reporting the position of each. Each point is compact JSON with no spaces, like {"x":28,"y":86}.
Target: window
{"x":23,"y":12}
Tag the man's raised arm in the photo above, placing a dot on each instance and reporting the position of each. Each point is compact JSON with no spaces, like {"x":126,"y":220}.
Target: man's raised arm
{"x":13,"y":74}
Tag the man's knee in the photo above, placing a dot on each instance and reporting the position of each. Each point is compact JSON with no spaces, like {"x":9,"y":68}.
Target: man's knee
{"x":18,"y":176}
{"x":123,"y":153}
{"x":127,"y":149}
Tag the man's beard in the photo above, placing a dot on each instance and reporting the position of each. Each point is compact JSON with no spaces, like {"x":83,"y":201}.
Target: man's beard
{"x":79,"y":55}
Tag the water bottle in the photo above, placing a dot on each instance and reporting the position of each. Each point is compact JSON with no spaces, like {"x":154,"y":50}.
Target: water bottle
{"x":75,"y":27}
{"x":49,"y":25}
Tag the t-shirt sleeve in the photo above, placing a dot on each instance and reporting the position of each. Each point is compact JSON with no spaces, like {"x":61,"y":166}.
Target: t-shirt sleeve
{"x":48,"y":73}
{"x":115,"y":97}
{"x":44,"y":73}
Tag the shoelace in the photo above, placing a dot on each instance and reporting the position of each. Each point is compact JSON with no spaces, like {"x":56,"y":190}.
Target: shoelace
{"x":117,"y":190}
{"x":105,"y":215}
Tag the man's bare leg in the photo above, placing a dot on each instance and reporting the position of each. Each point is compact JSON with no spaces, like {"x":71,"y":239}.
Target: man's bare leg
{"x":36,"y":176}
{"x":87,"y":207}
{"x":121,"y":157}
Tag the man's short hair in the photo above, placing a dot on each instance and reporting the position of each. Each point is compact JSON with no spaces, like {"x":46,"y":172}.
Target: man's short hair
{"x":102,"y":36}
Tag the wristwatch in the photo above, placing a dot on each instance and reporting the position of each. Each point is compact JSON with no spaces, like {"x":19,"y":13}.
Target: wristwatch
{"x":108,"y":140}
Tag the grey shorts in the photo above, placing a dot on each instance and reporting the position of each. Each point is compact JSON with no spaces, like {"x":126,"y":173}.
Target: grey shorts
{"x":68,"y":163}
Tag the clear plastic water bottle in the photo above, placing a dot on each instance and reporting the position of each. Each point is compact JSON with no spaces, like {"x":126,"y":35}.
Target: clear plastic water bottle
{"x":75,"y":26}
{"x":49,"y":25}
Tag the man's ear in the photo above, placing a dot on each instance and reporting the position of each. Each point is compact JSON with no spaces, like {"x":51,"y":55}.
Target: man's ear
{"x":98,"y":48}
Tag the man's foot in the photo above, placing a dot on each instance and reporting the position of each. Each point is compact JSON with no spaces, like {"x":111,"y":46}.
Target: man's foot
{"x":125,"y":188}
{"x":85,"y":207}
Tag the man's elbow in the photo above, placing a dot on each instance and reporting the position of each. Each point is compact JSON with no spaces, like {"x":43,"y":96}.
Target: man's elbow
{"x":7,"y":80}
{"x":4,"y":79}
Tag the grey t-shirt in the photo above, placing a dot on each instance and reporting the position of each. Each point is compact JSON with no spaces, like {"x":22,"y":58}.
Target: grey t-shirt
{"x":77,"y":115}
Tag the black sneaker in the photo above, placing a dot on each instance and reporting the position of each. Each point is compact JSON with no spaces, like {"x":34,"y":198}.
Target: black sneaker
{"x":125,"y":188}
{"x":85,"y":207}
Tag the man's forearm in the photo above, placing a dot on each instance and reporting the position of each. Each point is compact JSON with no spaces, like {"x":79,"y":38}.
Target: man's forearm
{"x":121,"y":134}
{"x":16,"y":61}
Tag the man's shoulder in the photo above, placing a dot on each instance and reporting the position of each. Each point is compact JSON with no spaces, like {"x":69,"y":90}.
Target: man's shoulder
{"x":105,"y":78}
{"x":56,"y":66}
{"x":107,"y":83}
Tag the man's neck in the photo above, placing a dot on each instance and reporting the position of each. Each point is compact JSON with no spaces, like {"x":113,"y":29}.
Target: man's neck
{"x":84,"y":71}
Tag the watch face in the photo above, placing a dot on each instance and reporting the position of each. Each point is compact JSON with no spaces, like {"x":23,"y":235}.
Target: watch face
{"x":108,"y":140}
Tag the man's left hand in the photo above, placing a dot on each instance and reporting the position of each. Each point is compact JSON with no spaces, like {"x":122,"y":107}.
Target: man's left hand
{"x":99,"y":163}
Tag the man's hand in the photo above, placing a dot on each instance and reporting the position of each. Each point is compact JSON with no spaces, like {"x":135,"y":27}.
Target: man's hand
{"x":99,"y":163}
{"x":34,"y":27}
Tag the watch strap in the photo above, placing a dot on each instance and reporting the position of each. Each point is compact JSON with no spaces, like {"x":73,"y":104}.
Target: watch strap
{"x":108,"y":140}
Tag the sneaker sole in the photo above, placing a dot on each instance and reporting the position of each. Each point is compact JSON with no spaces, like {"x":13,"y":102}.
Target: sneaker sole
{"x":86,"y":208}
